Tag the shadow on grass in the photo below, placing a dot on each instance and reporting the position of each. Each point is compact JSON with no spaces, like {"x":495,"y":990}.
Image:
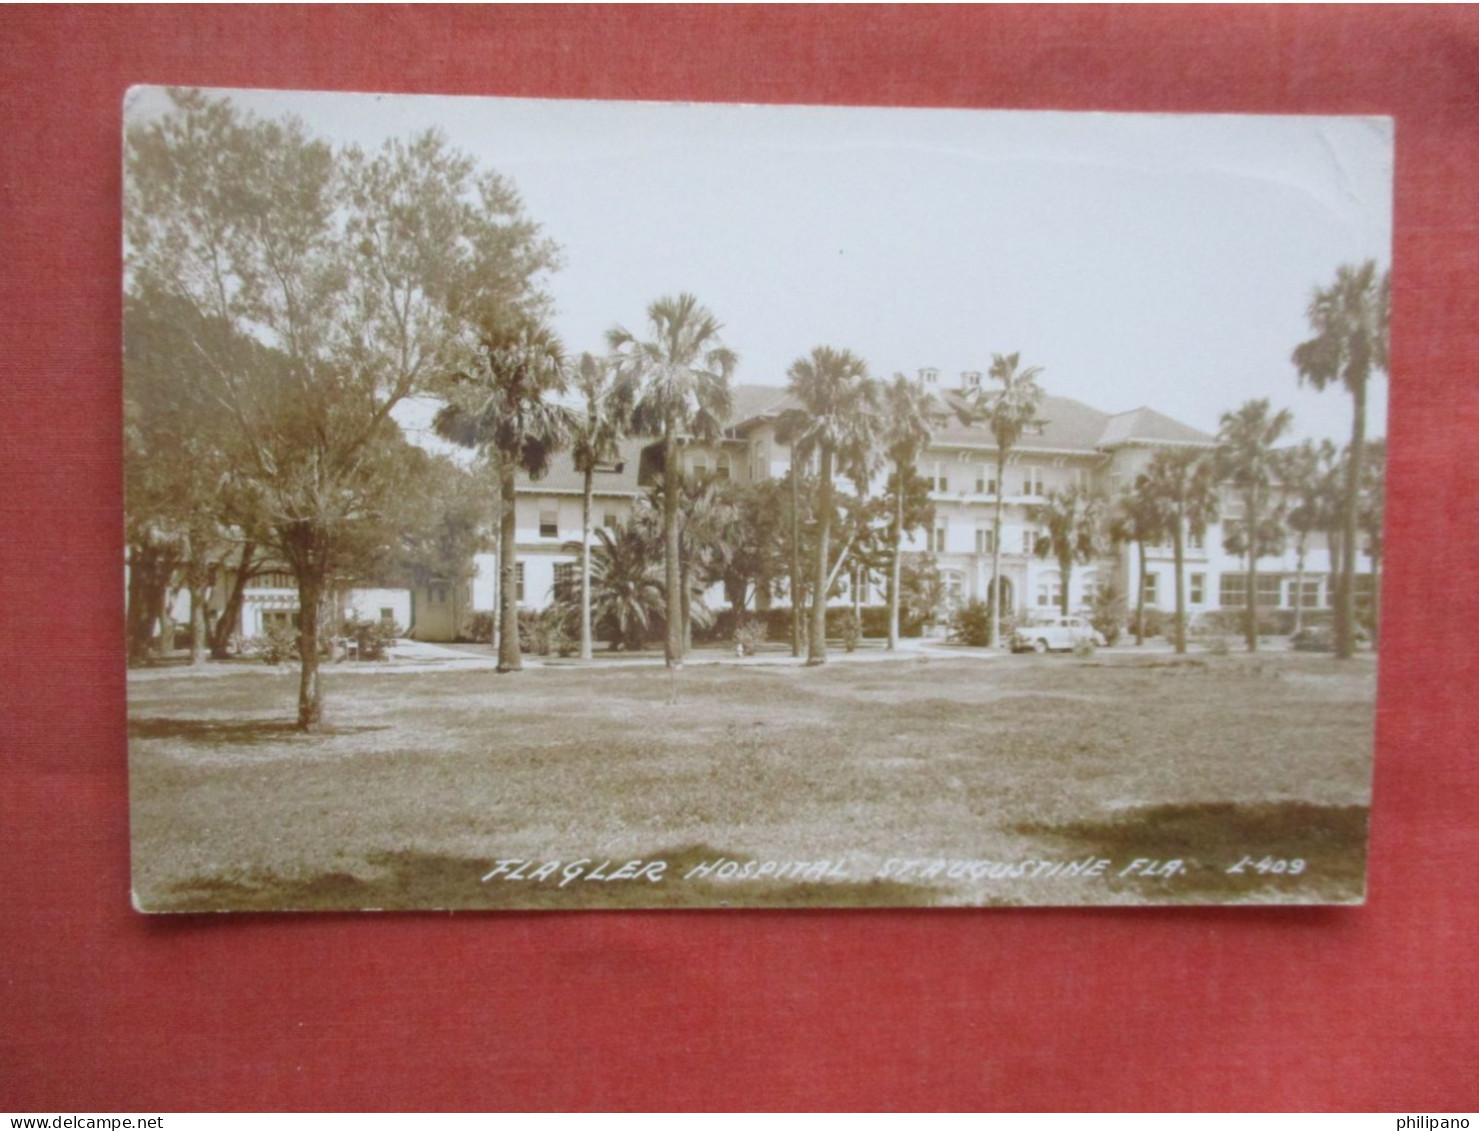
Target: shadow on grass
{"x":1212,"y":838}
{"x":231,"y":732}
{"x":410,"y":880}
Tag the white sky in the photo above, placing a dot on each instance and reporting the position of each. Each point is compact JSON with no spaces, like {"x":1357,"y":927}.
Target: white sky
{"x":1164,"y":260}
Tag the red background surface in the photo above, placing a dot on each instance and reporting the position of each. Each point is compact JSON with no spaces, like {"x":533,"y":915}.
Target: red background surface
{"x":100,"y":1008}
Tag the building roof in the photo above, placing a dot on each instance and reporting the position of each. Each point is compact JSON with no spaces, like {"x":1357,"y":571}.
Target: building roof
{"x":617,"y":478}
{"x":1065,"y":425}
{"x":1146,"y":426}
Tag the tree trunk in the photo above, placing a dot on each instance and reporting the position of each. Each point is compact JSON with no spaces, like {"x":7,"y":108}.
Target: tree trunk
{"x":1178,"y":546}
{"x":1375,"y":598}
{"x":228,"y":624}
{"x":896,"y":566}
{"x":817,"y":652}
{"x":1001,"y":470}
{"x":1250,"y":519}
{"x":310,"y":689}
{"x":198,"y":591}
{"x":673,"y":644}
{"x":509,"y":657}
{"x":687,"y":601}
{"x":797,"y":599}
{"x":1299,"y":585}
{"x":1345,"y":614}
{"x":1140,"y":599}
{"x":585,"y":566}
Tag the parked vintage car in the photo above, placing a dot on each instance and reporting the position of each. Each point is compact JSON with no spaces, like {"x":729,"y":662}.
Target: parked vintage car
{"x":1061,"y":634}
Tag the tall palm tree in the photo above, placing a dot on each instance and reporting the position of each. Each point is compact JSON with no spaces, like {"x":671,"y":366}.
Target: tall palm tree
{"x":1008,"y":411}
{"x":1184,"y":483}
{"x":597,"y":427}
{"x":1349,"y":319}
{"x":1138,"y":517}
{"x":838,"y":420}
{"x":504,"y":405}
{"x":678,"y":384}
{"x":1299,"y":475}
{"x":906,"y":434}
{"x":1074,"y":526}
{"x":1247,"y":459}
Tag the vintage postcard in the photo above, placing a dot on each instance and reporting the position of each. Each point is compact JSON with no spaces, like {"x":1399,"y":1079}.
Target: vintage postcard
{"x":572,"y":505}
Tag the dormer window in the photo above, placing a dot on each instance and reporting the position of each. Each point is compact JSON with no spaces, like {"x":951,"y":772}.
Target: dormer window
{"x":929,"y":377}
{"x":970,"y":381}
{"x":608,"y":468}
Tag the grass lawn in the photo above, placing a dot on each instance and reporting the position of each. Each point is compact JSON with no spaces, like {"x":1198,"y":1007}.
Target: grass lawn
{"x":917,"y":781}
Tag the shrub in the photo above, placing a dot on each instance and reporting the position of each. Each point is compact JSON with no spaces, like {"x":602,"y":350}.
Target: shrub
{"x":546,"y":632}
{"x":478,"y":629}
{"x":372,"y":638}
{"x":748,"y":635}
{"x":1084,"y":647}
{"x":971,"y":624}
{"x":1108,"y":613}
{"x":278,"y":643}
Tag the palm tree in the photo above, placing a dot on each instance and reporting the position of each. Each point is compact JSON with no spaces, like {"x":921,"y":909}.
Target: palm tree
{"x":504,"y":407}
{"x":1349,"y":319}
{"x":906,"y":433}
{"x":1009,"y":412}
{"x":707,"y":518}
{"x":1073,"y":521}
{"x":1138,"y":517}
{"x":838,"y":420}
{"x":1247,"y":459}
{"x":678,"y":384}
{"x":1298,"y":470}
{"x":596,"y":429}
{"x":1184,"y":484}
{"x":626,"y":593}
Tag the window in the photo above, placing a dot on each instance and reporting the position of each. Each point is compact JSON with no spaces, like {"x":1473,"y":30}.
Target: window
{"x":438,"y":594}
{"x":608,"y":468}
{"x":1049,"y":593}
{"x":1198,"y":583}
{"x":387,"y":616}
{"x":273,"y":580}
{"x":1270,"y":590}
{"x":721,"y":466}
{"x":985,"y":481}
{"x":1311,"y":596}
{"x":939,"y":478}
{"x":1032,"y":481}
{"x":1232,"y":590}
{"x":565,"y":578}
{"x":1194,"y":541}
{"x":942,"y":527}
{"x":970,"y":381}
{"x":983,"y":541}
{"x":549,"y":522}
{"x":1029,"y":537}
{"x":609,"y":520}
{"x":954,"y":586}
{"x":1150,"y":589}
{"x":700,"y":463}
{"x":519,"y":583}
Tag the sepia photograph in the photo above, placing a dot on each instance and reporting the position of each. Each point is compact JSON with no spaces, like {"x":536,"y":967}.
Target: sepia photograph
{"x":571,"y":505}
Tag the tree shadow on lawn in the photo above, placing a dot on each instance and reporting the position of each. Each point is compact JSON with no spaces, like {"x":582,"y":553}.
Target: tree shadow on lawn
{"x":1211,"y":838}
{"x":232,"y":732}
{"x":413,"y":880}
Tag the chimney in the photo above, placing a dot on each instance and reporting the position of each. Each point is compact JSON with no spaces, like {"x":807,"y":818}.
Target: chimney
{"x":929,"y":377}
{"x":970,"y":381}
